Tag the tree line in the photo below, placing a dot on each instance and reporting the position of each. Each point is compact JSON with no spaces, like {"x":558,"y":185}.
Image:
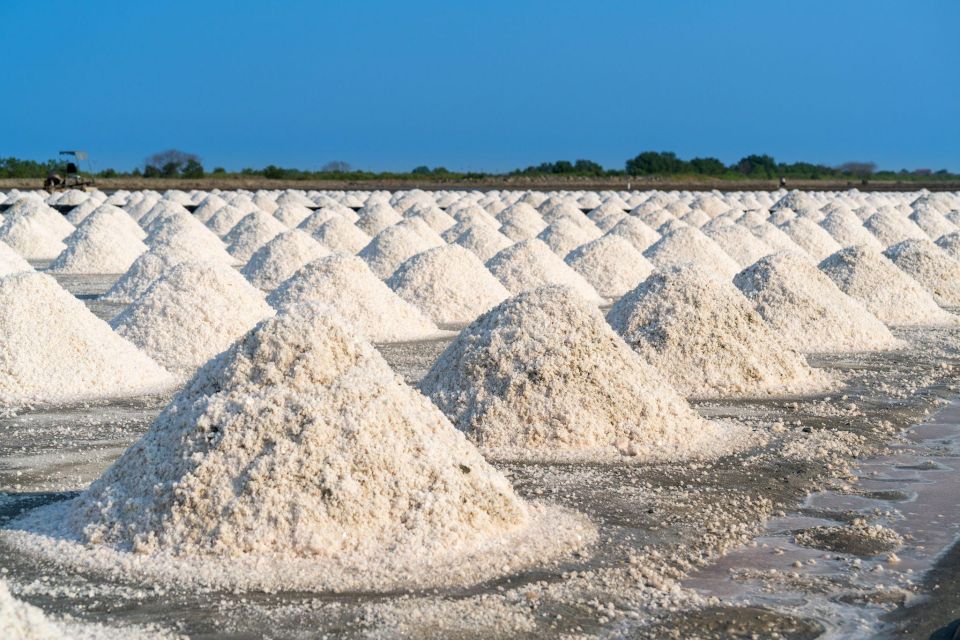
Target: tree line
{"x":174,"y":163}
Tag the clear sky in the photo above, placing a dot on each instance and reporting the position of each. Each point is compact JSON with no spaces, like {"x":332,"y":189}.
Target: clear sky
{"x":481,"y":85}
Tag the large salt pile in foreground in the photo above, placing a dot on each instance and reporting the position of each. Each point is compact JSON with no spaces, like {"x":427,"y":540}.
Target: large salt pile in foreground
{"x":348,"y":286}
{"x":864,"y":274}
{"x":543,"y":375}
{"x":280,"y":258}
{"x":55,"y":350}
{"x":11,"y":262}
{"x":808,"y":310}
{"x":99,"y":245}
{"x":610,"y":264}
{"x":22,"y":621}
{"x":192,"y":312}
{"x":298,"y":460}
{"x":530,"y":264}
{"x":706,"y":338}
{"x":686,"y":244}
{"x":931,"y":266}
{"x":448,"y":283}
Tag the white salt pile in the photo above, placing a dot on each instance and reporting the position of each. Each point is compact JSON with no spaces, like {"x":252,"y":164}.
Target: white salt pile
{"x":542,"y":375}
{"x":811,"y":237}
{"x":56,"y":351}
{"x":291,"y":214}
{"x":76,"y":215}
{"x":347,"y":286}
{"x":118,"y":218}
{"x":738,"y":243}
{"x":99,"y":245}
{"x":848,"y":230}
{"x":208,"y":207}
{"x":341,"y":236}
{"x":31,"y":236}
{"x":22,"y":621}
{"x":312,"y":222}
{"x":483,"y":241}
{"x":772,"y":235}
{"x":374,"y":218}
{"x":706,"y":338}
{"x":610,"y":264}
{"x":225,"y":219}
{"x":11,"y":262}
{"x":397,"y":243}
{"x":298,"y":460}
{"x":280,"y":258}
{"x":607,"y":215}
{"x":932,"y":222}
{"x":531,"y":264}
{"x":433,"y":216}
{"x":520,"y":221}
{"x":864,"y":274}
{"x":688,"y":244}
{"x":951,"y":244}
{"x":810,"y":313}
{"x":192,"y":312}
{"x":565,"y":235}
{"x":891,"y":227}
{"x":636,"y":232}
{"x":255,"y":230}
{"x":448,"y":283}
{"x":931,"y":266}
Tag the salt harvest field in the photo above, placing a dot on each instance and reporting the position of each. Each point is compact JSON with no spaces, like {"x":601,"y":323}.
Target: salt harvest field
{"x":479,"y":414}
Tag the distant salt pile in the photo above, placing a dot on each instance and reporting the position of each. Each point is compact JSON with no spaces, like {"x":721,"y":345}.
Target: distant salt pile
{"x":56,"y":351}
{"x":931,"y":266}
{"x":372,"y":219}
{"x":769,"y":233}
{"x":208,"y":207}
{"x":543,"y":375}
{"x":811,"y":237}
{"x":636,"y":232}
{"x":610,"y":264}
{"x":11,"y":261}
{"x":696,"y":218}
{"x":848,"y":230}
{"x":866,"y":275}
{"x":483,"y":241}
{"x":932,"y":222}
{"x":76,"y":215}
{"x":448,"y":283}
{"x":291,"y":215}
{"x":951,"y":244}
{"x":432,"y":215}
{"x":215,"y":491}
{"x":34,"y":230}
{"x":161,"y":211}
{"x":347,"y":286}
{"x":252,"y":232}
{"x":520,"y":221}
{"x":99,"y":245}
{"x":738,"y":242}
{"x":706,"y":338}
{"x":225,"y":219}
{"x":315,"y":220}
{"x":280,"y":258}
{"x":891,"y":227}
{"x":341,"y":236}
{"x":397,"y":243}
{"x":474,"y":215}
{"x":265,"y":202}
{"x":147,"y":268}
{"x":687,"y":244}
{"x":192,"y":312}
{"x":22,"y":621}
{"x":799,"y":202}
{"x":607,"y":215}
{"x":565,"y":235}
{"x":531,"y":264}
{"x":810,"y":313}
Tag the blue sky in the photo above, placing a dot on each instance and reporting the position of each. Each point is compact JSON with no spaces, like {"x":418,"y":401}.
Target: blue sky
{"x":492,"y":85}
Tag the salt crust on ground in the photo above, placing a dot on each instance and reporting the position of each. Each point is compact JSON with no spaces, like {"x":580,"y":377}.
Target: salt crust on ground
{"x":192,"y":312}
{"x":56,"y":351}
{"x":341,"y":236}
{"x":542,"y":376}
{"x":865,"y":274}
{"x":610,"y":264}
{"x":348,"y":286}
{"x":448,"y":283}
{"x":11,"y":261}
{"x":280,"y":258}
{"x":809,"y":312}
{"x":298,"y":460}
{"x":706,"y":338}
{"x":931,"y":266}
{"x":99,"y":245}
{"x":530,"y":264}
{"x":688,"y":244}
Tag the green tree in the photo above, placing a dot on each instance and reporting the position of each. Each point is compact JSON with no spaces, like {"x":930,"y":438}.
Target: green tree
{"x":708,"y":166}
{"x":757,"y":166}
{"x":192,"y":169}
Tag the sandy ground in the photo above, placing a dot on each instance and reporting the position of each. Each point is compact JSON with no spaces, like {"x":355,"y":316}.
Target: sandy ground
{"x":691,"y":550}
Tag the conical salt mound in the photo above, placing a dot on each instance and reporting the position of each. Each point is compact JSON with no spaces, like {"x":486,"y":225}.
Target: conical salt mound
{"x":225,"y":219}
{"x":341,"y":236}
{"x":374,"y":218}
{"x":811,"y":237}
{"x":847,"y":229}
{"x":99,"y":245}
{"x":299,"y":452}
{"x":864,"y":274}
{"x":55,"y":350}
{"x":738,"y":242}
{"x":255,"y":230}
{"x":891,"y":227}
{"x":706,"y":338}
{"x":610,"y":264}
{"x":31,"y":237}
{"x":542,"y":374}
{"x":931,"y":266}
{"x":397,"y":243}
{"x":808,"y":310}
{"x":951,"y":244}
{"x":76,"y":215}
{"x":531,"y":264}
{"x":292,"y":214}
{"x":636,"y":232}
{"x":687,"y":244}
{"x":280,"y":258}
{"x":448,"y":283}
{"x":22,"y":621}
{"x":933,"y":223}
{"x":483,"y":241}
{"x":565,"y":235}
{"x":11,"y":262}
{"x":192,"y":312}
{"x":520,"y":221}
{"x":348,"y":286}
